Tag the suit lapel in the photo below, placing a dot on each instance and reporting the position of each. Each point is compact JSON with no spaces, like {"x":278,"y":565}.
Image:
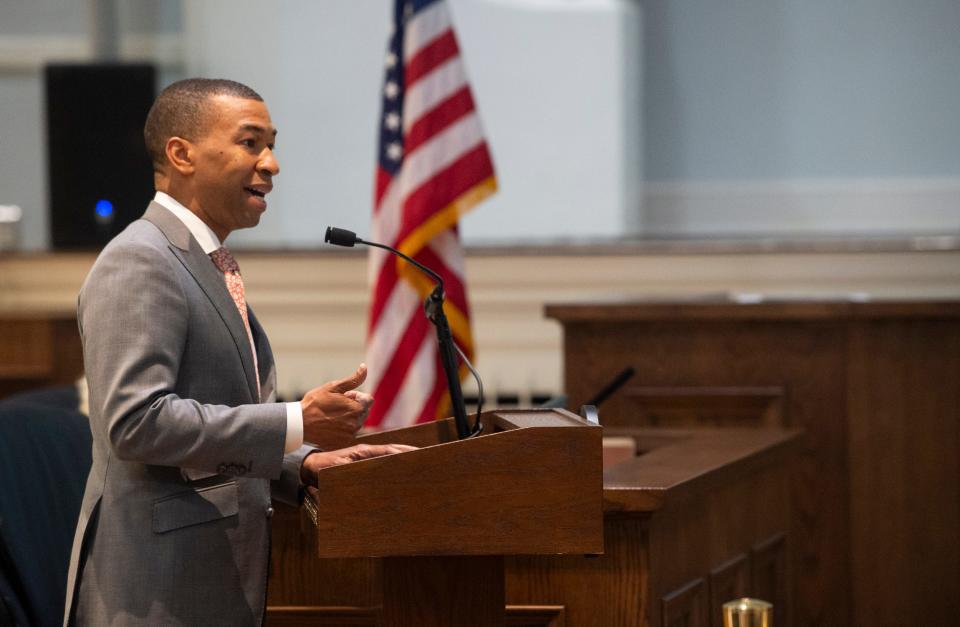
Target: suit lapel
{"x":210,"y":279}
{"x":268,"y":370}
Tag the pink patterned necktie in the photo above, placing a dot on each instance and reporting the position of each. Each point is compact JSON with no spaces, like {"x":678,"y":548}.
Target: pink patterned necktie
{"x":225,"y":262}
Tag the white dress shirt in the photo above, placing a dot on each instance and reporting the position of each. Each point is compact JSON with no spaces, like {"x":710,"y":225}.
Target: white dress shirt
{"x":209,"y":242}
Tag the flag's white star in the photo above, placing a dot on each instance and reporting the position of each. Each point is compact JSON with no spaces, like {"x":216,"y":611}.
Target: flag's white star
{"x":392,"y":121}
{"x":391,"y":60}
{"x":391,"y":90}
{"x":394,"y":151}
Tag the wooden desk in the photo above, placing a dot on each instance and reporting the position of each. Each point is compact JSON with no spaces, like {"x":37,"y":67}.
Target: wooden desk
{"x":699,"y":518}
{"x":38,"y":350}
{"x":876,"y":388}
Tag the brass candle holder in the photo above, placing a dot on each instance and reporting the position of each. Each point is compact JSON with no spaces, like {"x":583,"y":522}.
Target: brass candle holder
{"x":747,"y":613}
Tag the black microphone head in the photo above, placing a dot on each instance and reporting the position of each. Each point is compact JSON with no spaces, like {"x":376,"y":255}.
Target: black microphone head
{"x":340,"y":237}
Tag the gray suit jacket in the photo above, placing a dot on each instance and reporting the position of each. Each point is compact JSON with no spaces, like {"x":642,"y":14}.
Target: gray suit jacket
{"x":174,"y":528}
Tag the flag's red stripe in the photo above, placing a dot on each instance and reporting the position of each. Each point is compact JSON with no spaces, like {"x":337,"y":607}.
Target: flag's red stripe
{"x":396,"y":368}
{"x":386,"y":281}
{"x":440,"y":117}
{"x":444,"y":187}
{"x":430,"y":57}
{"x":429,"y":411}
{"x":380,"y":185}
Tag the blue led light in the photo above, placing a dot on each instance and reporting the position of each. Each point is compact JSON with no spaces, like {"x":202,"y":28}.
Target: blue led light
{"x":104,"y":208}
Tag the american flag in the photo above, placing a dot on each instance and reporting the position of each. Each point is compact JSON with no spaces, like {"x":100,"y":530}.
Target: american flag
{"x":433,"y":166}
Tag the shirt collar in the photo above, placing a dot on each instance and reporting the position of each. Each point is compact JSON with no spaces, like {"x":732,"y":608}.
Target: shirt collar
{"x":204,"y":235}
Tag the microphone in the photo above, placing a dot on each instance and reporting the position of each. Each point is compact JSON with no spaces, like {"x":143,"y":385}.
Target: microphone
{"x":341,"y":237}
{"x":433,"y":307}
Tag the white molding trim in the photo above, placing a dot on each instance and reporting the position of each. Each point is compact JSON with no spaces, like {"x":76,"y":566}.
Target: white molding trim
{"x":29,"y":53}
{"x":802,"y":206}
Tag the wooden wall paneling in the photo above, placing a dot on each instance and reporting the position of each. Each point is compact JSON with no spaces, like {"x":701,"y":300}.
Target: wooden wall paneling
{"x":686,"y":606}
{"x":38,"y":351}
{"x":904,"y":410}
{"x":729,"y":581}
{"x":26,"y":348}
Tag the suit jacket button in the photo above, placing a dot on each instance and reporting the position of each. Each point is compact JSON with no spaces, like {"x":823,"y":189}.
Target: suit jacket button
{"x":269,"y":512}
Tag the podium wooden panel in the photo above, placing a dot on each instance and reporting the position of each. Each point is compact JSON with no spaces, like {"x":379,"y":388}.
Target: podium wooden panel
{"x":442,"y":518}
{"x":875,"y":386}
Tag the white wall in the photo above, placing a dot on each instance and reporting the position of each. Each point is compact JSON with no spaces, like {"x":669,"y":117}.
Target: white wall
{"x":802,"y":116}
{"x":605,"y":117}
{"x":562,"y":118}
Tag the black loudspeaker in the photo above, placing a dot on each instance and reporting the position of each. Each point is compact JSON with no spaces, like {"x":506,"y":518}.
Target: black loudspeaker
{"x":100,"y":176}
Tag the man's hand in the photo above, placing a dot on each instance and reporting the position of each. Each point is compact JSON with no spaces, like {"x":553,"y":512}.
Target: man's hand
{"x":313,"y":462}
{"x":333,"y":412}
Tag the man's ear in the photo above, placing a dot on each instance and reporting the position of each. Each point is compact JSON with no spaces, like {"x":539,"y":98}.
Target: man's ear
{"x":180,"y":155}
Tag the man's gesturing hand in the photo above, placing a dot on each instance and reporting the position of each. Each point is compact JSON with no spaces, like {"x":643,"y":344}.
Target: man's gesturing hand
{"x":333,"y":412}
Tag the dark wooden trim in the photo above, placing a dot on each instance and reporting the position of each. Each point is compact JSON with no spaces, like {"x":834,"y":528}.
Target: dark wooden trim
{"x":321,"y":616}
{"x":536,"y":616}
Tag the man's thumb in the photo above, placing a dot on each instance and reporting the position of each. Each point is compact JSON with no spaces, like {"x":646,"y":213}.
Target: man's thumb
{"x":352,"y":382}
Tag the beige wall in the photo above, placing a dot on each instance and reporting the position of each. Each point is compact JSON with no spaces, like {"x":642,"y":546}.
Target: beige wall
{"x":314,"y":304}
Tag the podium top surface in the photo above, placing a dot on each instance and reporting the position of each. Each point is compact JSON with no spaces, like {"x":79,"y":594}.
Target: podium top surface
{"x":673,"y":463}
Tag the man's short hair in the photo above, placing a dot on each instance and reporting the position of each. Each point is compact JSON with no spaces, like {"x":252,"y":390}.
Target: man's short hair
{"x":182,"y":109}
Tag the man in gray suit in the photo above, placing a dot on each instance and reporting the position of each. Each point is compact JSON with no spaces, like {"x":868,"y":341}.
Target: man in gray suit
{"x":189,"y":444}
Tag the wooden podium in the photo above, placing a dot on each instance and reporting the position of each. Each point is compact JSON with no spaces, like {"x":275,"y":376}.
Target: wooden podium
{"x":443,"y":517}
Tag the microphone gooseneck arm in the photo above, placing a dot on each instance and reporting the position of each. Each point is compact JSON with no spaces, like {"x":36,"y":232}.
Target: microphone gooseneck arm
{"x":433,"y":307}
{"x":433,"y":275}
